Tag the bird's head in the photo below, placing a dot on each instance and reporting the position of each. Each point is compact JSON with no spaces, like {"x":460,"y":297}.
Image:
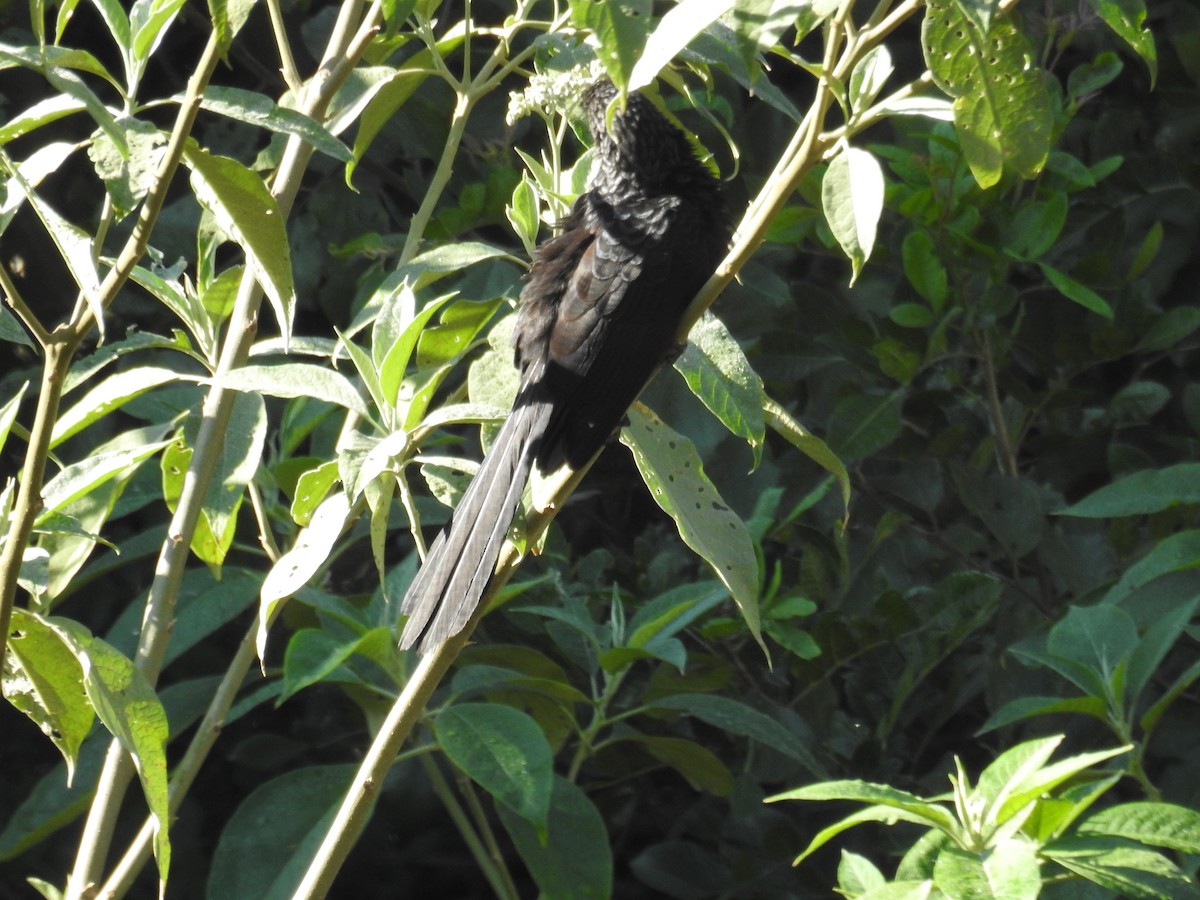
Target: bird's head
{"x":638,"y":141}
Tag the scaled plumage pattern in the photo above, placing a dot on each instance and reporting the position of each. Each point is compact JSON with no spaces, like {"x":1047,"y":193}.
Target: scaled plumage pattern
{"x":598,"y":314}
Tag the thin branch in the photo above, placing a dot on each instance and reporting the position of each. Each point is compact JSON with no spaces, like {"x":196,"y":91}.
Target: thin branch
{"x":265,"y":536}
{"x":356,"y":806}
{"x":29,"y":494}
{"x":498,"y":878}
{"x":441,"y":177}
{"x":287,"y":63}
{"x":1008,"y":456}
{"x":13,"y":297}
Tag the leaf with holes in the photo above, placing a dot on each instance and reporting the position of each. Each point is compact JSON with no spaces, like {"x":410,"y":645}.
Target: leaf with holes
{"x":672,"y":470}
{"x":1002,"y":110}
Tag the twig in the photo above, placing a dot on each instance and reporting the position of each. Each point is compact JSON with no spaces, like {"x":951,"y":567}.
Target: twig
{"x":497,"y":876}
{"x":287,"y":63}
{"x":13,"y":297}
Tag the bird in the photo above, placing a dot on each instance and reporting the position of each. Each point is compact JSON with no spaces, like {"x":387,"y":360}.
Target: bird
{"x":598,"y":314}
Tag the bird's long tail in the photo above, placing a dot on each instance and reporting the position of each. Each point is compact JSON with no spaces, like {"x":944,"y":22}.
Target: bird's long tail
{"x":448,"y":588}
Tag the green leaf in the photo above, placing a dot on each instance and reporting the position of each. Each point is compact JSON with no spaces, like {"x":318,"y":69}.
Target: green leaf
{"x":1149,"y":491}
{"x":738,"y":718}
{"x":47,"y":57}
{"x":308,"y":554}
{"x":574,"y":858}
{"x":1128,"y":19}
{"x":888,"y":805}
{"x":1052,"y":816}
{"x":228,"y":17}
{"x":869,"y":76}
{"x":262,"y":112}
{"x":247,"y":212}
{"x":1010,"y":508}
{"x":1098,"y":638}
{"x":378,"y":91}
{"x":449,"y":259}
{"x":1152,"y":648}
{"x":149,"y":20}
{"x":717,"y":371}
{"x":1132,"y":872}
{"x":133,"y":714}
{"x":88,"y":474}
{"x":759,"y":24}
{"x":810,"y":445}
{"x":41,"y":113}
{"x":699,"y":765}
{"x":924,"y":269}
{"x":265,"y":847}
{"x":74,"y":245}
{"x":1137,"y":402}
{"x":455,"y":331}
{"x":620,"y":31}
{"x":1091,"y":76}
{"x":523,"y":215}
{"x":185,"y":305}
{"x":674,"y":474}
{"x":669,"y":613}
{"x":395,"y":336}
{"x":1002,"y":110}
{"x":311,"y":488}
{"x":857,"y":875}
{"x":111,"y":393}
{"x":1036,"y":227}
{"x":1028,"y":707}
{"x":52,"y":802}
{"x":1158,"y":824}
{"x":1008,"y":871}
{"x":8,"y":415}
{"x":44,"y":680}
{"x":505,"y":752}
{"x":1182,"y":682}
{"x":1073,"y":290}
{"x":293,"y":380}
{"x":861,"y":425}
{"x":54,"y":64}
{"x":1031,"y":784}
{"x":672,"y":34}
{"x":911,"y":315}
{"x":1012,"y":766}
{"x":29,"y":174}
{"x":904,"y":890}
{"x":115,"y":18}
{"x":236,"y":465}
{"x":1169,"y":329}
{"x":314,"y":655}
{"x":852,"y":198}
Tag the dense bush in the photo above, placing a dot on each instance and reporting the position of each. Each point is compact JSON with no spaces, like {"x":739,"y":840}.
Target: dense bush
{"x":930,"y":456}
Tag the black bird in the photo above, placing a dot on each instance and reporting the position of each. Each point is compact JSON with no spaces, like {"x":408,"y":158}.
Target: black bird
{"x":598,"y":314}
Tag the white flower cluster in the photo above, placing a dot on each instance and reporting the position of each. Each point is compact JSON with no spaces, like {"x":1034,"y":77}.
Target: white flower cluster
{"x":552,"y":92}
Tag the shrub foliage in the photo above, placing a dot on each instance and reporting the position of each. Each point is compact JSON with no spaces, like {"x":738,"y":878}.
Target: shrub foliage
{"x":922,"y":502}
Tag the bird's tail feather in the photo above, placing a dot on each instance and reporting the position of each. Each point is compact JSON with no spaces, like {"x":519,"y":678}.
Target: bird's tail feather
{"x":449,"y":586}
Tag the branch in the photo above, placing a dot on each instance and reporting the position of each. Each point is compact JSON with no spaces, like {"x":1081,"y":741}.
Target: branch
{"x":14,"y":299}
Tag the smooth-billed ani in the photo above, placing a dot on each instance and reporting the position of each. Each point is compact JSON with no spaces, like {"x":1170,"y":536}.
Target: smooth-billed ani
{"x":599,"y":312}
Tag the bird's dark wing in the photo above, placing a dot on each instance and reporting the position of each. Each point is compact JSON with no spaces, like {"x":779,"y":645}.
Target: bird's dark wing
{"x":450,"y":584}
{"x":616,"y":321}
{"x":460,"y":562}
